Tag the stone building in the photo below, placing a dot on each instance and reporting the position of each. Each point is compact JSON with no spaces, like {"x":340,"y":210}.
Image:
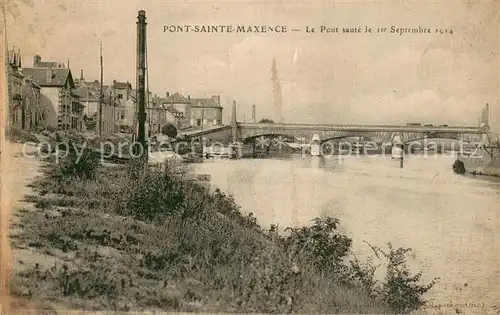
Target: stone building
{"x":89,"y":93}
{"x":59,"y":104}
{"x":23,"y":95}
{"x":205,"y":112}
{"x":199,"y":112}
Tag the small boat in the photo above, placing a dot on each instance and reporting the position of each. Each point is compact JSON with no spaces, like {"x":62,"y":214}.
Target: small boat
{"x":217,"y":151}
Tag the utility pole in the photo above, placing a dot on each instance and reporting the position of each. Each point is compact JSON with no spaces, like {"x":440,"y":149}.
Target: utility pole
{"x":101,"y":96}
{"x":202,"y":115}
{"x":4,"y":219}
{"x":141,"y":71}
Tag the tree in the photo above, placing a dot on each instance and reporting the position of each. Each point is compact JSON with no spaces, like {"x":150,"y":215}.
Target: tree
{"x":169,"y":130}
{"x":266,"y":121}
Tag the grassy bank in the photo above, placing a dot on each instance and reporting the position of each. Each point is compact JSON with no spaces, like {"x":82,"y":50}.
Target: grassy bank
{"x":127,"y":238}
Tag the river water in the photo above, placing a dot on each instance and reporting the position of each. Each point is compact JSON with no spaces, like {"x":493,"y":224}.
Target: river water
{"x":450,"y":221}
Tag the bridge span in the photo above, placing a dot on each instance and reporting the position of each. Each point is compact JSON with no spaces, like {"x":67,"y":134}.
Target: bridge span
{"x":244,"y":132}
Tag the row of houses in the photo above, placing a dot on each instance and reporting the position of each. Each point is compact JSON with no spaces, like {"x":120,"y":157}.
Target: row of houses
{"x":47,"y":95}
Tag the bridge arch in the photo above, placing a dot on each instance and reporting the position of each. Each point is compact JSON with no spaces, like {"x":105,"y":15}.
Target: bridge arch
{"x":267,"y":135}
{"x":366,"y":136}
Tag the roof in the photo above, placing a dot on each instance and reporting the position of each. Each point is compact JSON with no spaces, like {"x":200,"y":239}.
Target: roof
{"x":33,"y":83}
{"x":48,"y":64}
{"x":174,"y":112}
{"x":59,"y":76}
{"x":176,"y":98}
{"x":121,"y":85}
{"x":204,"y":102}
{"x":87,"y":93}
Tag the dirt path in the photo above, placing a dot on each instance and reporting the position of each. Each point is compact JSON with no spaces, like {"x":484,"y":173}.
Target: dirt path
{"x":19,"y":169}
{"x":24,"y":167}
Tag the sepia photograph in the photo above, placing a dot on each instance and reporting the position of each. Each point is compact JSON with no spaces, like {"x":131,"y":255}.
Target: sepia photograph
{"x":268,"y":157}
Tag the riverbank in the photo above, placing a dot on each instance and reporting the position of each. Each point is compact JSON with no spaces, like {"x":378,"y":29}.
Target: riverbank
{"x":123,"y":239}
{"x":450,"y":220}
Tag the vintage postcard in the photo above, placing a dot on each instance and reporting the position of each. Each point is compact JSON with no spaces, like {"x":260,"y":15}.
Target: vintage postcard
{"x":250,"y":157}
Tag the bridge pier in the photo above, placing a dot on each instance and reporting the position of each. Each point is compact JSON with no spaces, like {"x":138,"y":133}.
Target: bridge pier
{"x":315,"y":145}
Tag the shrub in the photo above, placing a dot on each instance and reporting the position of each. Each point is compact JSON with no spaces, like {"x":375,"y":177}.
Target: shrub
{"x":321,"y":242}
{"x":21,"y":135}
{"x":74,"y":166}
{"x":401,"y":290}
{"x":152,"y":194}
{"x":169,"y":130}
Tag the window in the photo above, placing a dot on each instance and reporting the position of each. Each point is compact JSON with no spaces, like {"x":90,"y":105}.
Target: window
{"x":198,"y":122}
{"x":120,"y":96}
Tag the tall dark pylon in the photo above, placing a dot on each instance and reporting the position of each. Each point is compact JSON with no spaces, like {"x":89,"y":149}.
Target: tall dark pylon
{"x":101,"y":94}
{"x":278,"y":101}
{"x":141,"y":86}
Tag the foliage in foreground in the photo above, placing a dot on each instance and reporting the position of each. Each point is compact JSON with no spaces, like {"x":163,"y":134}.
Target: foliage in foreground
{"x":20,"y":135}
{"x":135,"y":238}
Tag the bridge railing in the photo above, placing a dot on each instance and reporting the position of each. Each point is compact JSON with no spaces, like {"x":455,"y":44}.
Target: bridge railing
{"x":468,"y":129}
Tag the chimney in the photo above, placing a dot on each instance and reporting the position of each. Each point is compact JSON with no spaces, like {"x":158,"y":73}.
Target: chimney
{"x":189,"y":98}
{"x":36,"y":60}
{"x":19,"y":59}
{"x":81,"y":75}
{"x":168,"y":94}
{"x":253,"y":114}
{"x":216,"y":98}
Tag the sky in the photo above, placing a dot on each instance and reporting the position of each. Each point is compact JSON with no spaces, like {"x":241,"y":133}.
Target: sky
{"x":325,"y":78}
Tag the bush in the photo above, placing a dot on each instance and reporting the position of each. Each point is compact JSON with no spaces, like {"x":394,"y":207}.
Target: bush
{"x":323,"y":247}
{"x":169,"y":130}
{"x":401,"y":290}
{"x":153,"y":193}
{"x":73,"y":166}
{"x":21,"y":135}
{"x":321,"y":242}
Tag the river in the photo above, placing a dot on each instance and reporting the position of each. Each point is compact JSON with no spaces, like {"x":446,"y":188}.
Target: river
{"x":450,"y":221}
